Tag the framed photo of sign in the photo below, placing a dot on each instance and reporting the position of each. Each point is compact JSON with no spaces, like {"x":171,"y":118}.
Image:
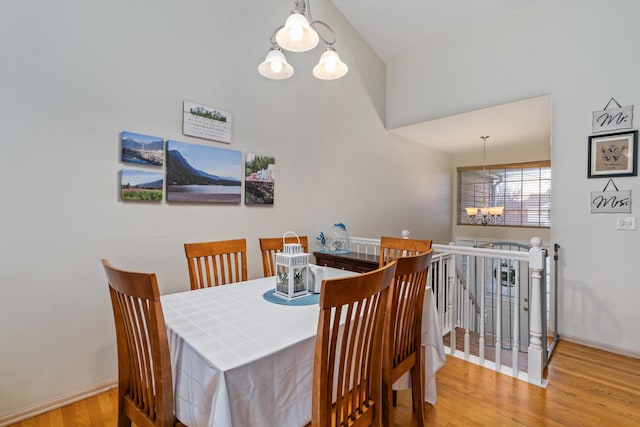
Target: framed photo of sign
{"x":613,"y":154}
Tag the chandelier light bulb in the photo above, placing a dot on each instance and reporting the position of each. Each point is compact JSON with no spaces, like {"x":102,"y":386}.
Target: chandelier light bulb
{"x":330,"y":66}
{"x":296,"y":35}
{"x":276,"y":66}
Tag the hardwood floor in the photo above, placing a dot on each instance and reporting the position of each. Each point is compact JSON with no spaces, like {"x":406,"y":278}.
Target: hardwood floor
{"x":97,"y":411}
{"x":506,"y":354}
{"x":587,"y":387}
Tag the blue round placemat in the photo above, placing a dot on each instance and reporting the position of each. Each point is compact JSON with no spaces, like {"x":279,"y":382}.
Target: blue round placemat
{"x":305,"y":300}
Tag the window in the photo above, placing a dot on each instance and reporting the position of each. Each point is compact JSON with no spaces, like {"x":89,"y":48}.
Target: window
{"x":524,"y":189}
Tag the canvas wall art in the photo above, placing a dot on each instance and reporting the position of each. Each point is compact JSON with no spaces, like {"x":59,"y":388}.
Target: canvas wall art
{"x":142,"y":149}
{"x":141,"y":185}
{"x":259,"y":181}
{"x":203,"y":174}
{"x":206,"y":122}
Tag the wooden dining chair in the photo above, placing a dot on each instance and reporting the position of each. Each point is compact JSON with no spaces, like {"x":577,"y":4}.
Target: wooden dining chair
{"x":216,"y":263}
{"x":394,"y":247}
{"x":145,"y":390}
{"x":347,"y":369}
{"x":403,"y":333}
{"x":269,"y":246}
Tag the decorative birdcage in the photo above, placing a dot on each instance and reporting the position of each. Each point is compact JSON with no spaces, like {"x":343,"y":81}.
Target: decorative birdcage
{"x":292,"y":270}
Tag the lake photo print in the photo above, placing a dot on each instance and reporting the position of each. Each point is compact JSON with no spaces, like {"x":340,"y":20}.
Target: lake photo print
{"x":203,"y":174}
{"x":142,"y":149}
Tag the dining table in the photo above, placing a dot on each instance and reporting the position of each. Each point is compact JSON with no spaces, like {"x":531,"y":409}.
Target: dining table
{"x":242,"y":356}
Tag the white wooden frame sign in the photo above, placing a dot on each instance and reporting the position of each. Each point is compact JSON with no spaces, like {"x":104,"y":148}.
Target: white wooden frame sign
{"x":604,"y":201}
{"x":611,"y":119}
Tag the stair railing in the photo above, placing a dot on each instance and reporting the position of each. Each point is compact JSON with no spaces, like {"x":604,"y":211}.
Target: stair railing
{"x":469,"y":309}
{"x":458,"y":278}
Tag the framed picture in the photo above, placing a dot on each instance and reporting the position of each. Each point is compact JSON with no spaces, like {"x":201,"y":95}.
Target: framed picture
{"x":203,"y":174}
{"x":142,"y":149}
{"x":613,"y":155}
{"x":259,"y":179}
{"x":141,"y":185}
{"x":206,"y":122}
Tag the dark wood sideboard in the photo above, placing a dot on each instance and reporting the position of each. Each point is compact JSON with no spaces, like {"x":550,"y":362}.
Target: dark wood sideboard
{"x":361,"y":263}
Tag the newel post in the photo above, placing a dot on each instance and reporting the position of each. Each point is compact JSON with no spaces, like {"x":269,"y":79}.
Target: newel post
{"x":535,"y":363}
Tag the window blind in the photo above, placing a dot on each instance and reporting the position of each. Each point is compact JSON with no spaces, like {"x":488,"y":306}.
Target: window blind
{"x":524,"y":189}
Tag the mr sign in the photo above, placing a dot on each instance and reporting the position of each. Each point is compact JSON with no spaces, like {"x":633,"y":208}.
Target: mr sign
{"x":612,"y":118}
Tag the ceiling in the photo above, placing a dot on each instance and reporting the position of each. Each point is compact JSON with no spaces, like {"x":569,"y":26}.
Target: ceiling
{"x":524,"y":122}
{"x":395,"y":29}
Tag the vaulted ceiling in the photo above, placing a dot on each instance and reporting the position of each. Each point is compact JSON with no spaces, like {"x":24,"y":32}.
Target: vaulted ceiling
{"x":396,"y":29}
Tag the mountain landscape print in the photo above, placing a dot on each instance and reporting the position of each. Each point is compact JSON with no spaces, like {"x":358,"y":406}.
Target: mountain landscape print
{"x":203,"y":174}
{"x":142,"y":149}
{"x":141,"y":185}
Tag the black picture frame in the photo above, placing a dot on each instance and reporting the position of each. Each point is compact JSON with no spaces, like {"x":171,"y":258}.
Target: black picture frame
{"x":613,"y":155}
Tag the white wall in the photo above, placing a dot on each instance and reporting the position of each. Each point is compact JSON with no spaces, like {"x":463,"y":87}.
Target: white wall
{"x":583,"y":52}
{"x":75,"y":74}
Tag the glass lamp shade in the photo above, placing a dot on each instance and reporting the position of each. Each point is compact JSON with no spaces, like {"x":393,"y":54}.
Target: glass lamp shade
{"x":275,"y":66}
{"x":496,"y":210}
{"x":330,"y":66}
{"x":297,"y":35}
{"x":472,"y":211}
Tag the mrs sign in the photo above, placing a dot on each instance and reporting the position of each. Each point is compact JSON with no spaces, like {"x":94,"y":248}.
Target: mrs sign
{"x":604,"y":201}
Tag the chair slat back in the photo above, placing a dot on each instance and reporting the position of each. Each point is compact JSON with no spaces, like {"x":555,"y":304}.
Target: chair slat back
{"x":394,"y":247}
{"x":145,"y":391}
{"x":403,"y":332}
{"x":347,"y":382}
{"x":216,"y":263}
{"x":269,"y":246}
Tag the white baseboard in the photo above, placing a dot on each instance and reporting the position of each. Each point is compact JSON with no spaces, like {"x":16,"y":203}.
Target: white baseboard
{"x":488,"y":364}
{"x":600,"y":346}
{"x":56,"y":403}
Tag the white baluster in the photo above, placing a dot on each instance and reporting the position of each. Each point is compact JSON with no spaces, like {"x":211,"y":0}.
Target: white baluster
{"x":483,"y":289}
{"x":515,"y":339}
{"x":454,"y":304}
{"x":535,"y":315}
{"x":498,"y":330}
{"x":443,"y":289}
{"x":467,"y":313}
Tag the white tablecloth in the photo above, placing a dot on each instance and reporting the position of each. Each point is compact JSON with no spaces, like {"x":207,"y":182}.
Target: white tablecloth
{"x":434,"y":354}
{"x":239,"y":360}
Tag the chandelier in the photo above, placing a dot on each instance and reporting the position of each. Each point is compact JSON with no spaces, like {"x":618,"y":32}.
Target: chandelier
{"x":485,"y":214}
{"x":299,"y":34}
